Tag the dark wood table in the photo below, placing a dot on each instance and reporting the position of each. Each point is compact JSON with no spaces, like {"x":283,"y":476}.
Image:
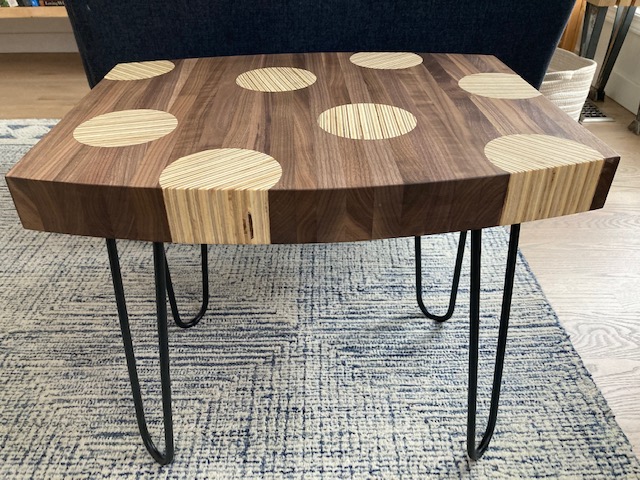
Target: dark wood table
{"x":297,"y":148}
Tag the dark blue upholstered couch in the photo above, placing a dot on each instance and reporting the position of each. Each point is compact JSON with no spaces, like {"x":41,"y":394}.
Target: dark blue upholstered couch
{"x":522,"y":33}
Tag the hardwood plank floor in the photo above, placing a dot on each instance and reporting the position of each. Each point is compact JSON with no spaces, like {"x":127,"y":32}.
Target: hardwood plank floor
{"x":40,"y":85}
{"x":588,"y":265}
{"x":589,"y":268}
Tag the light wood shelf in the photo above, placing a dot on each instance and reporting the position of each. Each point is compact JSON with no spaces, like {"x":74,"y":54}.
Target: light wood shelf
{"x":33,"y":12}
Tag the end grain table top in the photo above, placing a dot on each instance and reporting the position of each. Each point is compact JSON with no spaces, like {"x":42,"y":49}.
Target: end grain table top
{"x":316,"y":147}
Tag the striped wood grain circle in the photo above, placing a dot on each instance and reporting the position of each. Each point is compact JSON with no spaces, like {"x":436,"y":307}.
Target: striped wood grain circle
{"x":139,"y":70}
{"x":386,"y":60}
{"x":367,"y":121}
{"x":220,"y":196}
{"x":276,"y":79}
{"x":550,"y":176}
{"x":506,"y":86}
{"x":125,"y":127}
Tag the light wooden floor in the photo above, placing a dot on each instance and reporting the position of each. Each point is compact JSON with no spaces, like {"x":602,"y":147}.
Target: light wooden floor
{"x":589,"y":268}
{"x":588,"y":265}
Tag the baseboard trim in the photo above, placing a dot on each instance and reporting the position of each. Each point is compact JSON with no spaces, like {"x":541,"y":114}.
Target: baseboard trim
{"x":624,"y":91}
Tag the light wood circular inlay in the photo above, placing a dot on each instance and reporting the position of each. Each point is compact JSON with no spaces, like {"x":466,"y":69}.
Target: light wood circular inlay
{"x":367,"y":121}
{"x":276,"y":79}
{"x":506,"y":86}
{"x":220,"y":196}
{"x":223,"y":168}
{"x":125,"y":127}
{"x":523,"y":153}
{"x":386,"y":60}
{"x":550,"y":176}
{"x":139,"y":70}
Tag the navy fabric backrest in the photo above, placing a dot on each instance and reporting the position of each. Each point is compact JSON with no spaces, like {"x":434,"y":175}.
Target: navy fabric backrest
{"x":522,"y":33}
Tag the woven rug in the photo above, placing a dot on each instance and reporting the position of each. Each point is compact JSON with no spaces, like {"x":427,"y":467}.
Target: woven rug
{"x":314,"y":362}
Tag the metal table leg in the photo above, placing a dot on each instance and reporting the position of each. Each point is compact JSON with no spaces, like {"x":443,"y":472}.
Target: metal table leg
{"x":475,"y":452}
{"x":622,"y":22}
{"x":592,"y":28}
{"x":163,"y":345}
{"x":454,"y":287}
{"x":635,"y":125}
{"x":205,"y":293}
{"x":161,"y":283}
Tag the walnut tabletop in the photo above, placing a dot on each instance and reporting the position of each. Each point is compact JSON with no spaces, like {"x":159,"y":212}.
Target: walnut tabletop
{"x":320,"y":147}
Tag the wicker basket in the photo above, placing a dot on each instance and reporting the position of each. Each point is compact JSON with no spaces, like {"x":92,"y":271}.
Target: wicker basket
{"x":568,"y":80}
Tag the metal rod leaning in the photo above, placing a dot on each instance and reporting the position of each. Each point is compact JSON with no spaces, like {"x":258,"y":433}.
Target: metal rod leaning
{"x":163,"y":344}
{"x":456,"y":279}
{"x":475,"y":452}
{"x":622,"y":22}
{"x":592,"y":28}
{"x":205,"y":292}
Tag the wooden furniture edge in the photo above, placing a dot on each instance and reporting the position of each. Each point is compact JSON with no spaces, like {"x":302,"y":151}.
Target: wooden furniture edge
{"x":33,"y":12}
{"x":612,"y":3}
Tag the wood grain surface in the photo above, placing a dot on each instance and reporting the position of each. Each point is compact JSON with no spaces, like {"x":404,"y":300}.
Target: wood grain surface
{"x":276,"y":79}
{"x":386,"y":60}
{"x":498,"y":85}
{"x":139,"y":70}
{"x":550,"y":176}
{"x":367,"y":121}
{"x":611,"y":3}
{"x":434,"y":178}
{"x":220,"y":196}
{"x":125,"y":127}
{"x":33,"y":12}
{"x":40,"y":85}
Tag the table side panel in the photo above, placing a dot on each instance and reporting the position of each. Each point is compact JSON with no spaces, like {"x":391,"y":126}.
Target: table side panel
{"x":97,"y":210}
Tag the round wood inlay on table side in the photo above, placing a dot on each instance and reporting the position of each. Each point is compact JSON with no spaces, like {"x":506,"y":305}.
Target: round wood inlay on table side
{"x":550,"y":176}
{"x":220,"y":196}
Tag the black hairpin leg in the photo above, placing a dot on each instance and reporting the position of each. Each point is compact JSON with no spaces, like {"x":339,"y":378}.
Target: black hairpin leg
{"x":159,"y":264}
{"x":474,"y":314}
{"x":454,"y":286}
{"x":205,"y":293}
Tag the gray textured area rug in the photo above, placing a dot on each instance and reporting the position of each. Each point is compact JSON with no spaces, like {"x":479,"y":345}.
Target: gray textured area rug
{"x":313,"y":362}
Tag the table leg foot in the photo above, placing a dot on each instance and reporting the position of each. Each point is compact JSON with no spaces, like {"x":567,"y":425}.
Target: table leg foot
{"x":454,"y":286}
{"x":205,"y":293}
{"x":163,"y":344}
{"x":596,"y":94}
{"x":635,"y":125}
{"x":475,"y":452}
{"x":621,"y":25}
